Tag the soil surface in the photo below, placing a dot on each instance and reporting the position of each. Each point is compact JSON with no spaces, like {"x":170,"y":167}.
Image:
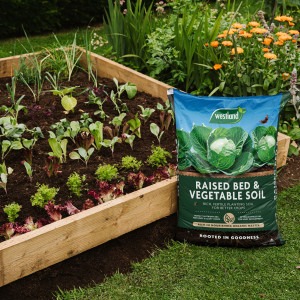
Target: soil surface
{"x":117,"y":255}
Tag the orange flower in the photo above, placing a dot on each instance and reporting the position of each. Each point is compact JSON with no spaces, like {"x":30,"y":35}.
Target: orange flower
{"x":267,"y":41}
{"x":270,"y":55}
{"x":227,"y":43}
{"x":206,"y":44}
{"x":294,"y":41}
{"x":265,"y":49}
{"x":258,"y":30}
{"x":237,"y":25}
{"x":222,"y":35}
{"x":245,"y":34}
{"x":279,"y":43}
{"x":293,"y":32}
{"x":214,"y":44}
{"x":284,"y":37}
{"x":283,"y":19}
{"x":285,"y":76}
{"x":291,"y":24}
{"x":230,"y":31}
{"x":253,"y":24}
{"x":238,"y":49}
{"x":217,"y":67}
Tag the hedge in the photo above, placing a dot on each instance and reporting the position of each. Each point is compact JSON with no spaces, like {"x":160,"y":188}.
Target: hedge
{"x":39,"y":16}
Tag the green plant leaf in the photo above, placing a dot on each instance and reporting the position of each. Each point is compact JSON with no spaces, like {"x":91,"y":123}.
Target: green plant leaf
{"x":74,"y":155}
{"x":68,"y":102}
{"x":131,"y":90}
{"x":199,"y":136}
{"x":242,"y":164}
{"x":201,"y":165}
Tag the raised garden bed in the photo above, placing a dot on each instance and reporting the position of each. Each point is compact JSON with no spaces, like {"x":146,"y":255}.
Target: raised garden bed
{"x":60,"y":240}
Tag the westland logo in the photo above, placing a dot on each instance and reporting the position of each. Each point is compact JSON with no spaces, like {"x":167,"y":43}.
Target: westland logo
{"x":227,"y":115}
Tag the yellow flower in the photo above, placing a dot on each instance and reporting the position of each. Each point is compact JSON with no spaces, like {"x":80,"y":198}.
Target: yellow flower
{"x":253,"y":24}
{"x":293,"y":32}
{"x":285,"y":76}
{"x":227,"y":43}
{"x":283,"y":19}
{"x":265,"y":49}
{"x":217,"y":67}
{"x":258,"y":30}
{"x":214,"y":44}
{"x":267,"y":41}
{"x":237,"y":25}
{"x":238,"y":49}
{"x":270,"y":55}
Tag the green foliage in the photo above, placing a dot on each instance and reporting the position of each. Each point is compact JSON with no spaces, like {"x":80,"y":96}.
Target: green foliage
{"x":131,"y":163}
{"x":43,"y":195}
{"x":127,"y":32}
{"x":158,"y":157}
{"x":54,"y":15}
{"x":12,"y":210}
{"x":106,"y":172}
{"x":75,"y":183}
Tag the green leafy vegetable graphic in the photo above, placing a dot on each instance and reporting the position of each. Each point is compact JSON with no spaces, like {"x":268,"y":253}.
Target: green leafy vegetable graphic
{"x":264,"y":139}
{"x":216,"y":150}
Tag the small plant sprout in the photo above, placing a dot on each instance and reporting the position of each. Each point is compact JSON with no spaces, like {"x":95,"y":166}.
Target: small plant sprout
{"x":154,"y":128}
{"x":75,"y":183}
{"x":158,"y":157}
{"x":4,"y":173}
{"x":130,"y":89}
{"x":16,"y":106}
{"x":12,"y":210}
{"x":128,"y":138}
{"x":28,"y":169}
{"x":71,"y":56}
{"x":131,"y":163}
{"x":107,"y":172}
{"x":146,"y":113}
{"x":107,"y":143}
{"x":134,"y":126}
{"x":58,"y":146}
{"x":82,"y":154}
{"x":96,"y":129}
{"x":98,"y":96}
{"x":68,"y":102}
{"x":52,"y":166}
{"x":166,"y":115}
{"x":43,"y":195}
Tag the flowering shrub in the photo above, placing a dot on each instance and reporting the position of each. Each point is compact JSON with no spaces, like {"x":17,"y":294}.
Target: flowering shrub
{"x":252,"y":58}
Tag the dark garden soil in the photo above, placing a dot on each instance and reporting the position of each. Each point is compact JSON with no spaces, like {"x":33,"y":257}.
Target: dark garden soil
{"x":117,"y":255}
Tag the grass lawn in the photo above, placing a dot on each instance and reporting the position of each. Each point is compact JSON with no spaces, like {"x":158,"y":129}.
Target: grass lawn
{"x":184,"y":271}
{"x":16,"y":46}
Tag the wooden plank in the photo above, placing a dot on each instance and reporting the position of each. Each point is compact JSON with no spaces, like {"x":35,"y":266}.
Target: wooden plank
{"x":60,"y":240}
{"x":283,"y":143}
{"x":107,"y":68}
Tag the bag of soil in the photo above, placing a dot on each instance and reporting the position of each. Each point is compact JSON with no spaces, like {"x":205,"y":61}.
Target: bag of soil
{"x":226,"y":151}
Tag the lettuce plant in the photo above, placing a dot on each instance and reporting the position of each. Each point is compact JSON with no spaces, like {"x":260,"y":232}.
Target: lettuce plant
{"x":106,"y":172}
{"x":158,"y":157}
{"x":12,"y":210}
{"x":43,"y":195}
